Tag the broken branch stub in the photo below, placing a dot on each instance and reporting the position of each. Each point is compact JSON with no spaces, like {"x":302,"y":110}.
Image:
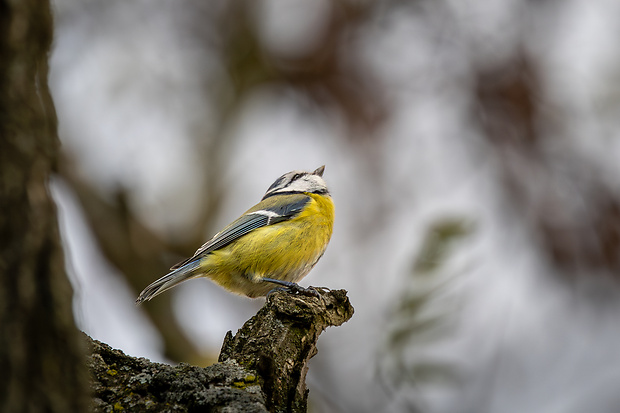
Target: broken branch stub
{"x":281,"y":338}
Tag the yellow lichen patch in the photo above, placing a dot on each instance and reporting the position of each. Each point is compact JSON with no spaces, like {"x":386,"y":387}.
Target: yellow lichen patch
{"x":118,"y":407}
{"x":112,"y":372}
{"x":249,"y":378}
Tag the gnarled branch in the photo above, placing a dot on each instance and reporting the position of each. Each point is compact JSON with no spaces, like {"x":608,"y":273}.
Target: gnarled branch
{"x":261,"y":368}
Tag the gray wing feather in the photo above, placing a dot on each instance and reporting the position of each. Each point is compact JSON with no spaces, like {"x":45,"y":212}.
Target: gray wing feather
{"x":246,"y":224}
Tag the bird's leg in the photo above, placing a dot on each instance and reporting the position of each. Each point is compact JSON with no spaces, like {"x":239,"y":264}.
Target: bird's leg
{"x":292,"y":288}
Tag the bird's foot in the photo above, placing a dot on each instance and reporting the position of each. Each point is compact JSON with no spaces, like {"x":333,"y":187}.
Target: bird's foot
{"x":294,"y":288}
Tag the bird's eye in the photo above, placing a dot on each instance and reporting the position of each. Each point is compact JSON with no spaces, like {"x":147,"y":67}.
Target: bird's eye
{"x":296,"y":177}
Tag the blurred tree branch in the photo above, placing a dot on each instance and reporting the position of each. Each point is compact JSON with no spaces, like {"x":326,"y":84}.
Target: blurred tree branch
{"x":329,"y":75}
{"x":574,"y":212}
{"x":137,"y":252}
{"x":262,"y":368}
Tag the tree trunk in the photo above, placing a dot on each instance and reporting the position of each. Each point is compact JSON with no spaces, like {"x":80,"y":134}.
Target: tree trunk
{"x":41,"y":357}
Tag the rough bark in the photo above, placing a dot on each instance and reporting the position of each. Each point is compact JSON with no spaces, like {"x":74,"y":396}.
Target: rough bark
{"x":41,"y":357}
{"x":262,"y":368}
{"x":124,"y":383}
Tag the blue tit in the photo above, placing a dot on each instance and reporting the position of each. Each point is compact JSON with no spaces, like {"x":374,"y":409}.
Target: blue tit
{"x":277,"y":241}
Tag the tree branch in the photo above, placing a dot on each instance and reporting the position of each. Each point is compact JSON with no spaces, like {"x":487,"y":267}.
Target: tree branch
{"x":262,"y":368}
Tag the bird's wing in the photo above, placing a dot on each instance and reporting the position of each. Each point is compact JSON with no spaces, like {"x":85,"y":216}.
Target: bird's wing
{"x":267,"y":212}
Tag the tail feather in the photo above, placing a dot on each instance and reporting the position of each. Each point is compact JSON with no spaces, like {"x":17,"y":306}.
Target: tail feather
{"x":168,"y":281}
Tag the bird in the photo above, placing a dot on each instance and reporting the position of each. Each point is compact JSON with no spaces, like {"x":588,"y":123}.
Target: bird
{"x":272,"y":246}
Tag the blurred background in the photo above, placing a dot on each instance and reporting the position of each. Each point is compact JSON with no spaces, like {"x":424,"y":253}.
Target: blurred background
{"x":472,"y":150}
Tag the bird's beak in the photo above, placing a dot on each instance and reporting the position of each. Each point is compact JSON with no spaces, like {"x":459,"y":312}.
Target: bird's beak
{"x":319,"y":171}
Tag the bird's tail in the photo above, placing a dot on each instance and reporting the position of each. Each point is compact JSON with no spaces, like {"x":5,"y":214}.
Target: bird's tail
{"x":168,"y":281}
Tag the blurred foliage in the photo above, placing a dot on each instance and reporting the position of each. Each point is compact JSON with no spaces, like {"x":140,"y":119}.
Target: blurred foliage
{"x":439,"y":242}
{"x":421,"y":313}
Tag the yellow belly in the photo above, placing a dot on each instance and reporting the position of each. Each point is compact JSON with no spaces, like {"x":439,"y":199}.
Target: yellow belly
{"x":285,"y":251}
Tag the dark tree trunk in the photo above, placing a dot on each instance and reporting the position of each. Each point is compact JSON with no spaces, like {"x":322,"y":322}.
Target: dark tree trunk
{"x":41,"y":357}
